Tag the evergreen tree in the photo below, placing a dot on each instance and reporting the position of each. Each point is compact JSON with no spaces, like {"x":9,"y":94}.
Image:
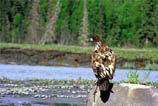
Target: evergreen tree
{"x":119,"y":22}
{"x":148,"y":31}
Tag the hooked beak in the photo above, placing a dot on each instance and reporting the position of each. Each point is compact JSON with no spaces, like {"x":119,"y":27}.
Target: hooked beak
{"x":90,"y":40}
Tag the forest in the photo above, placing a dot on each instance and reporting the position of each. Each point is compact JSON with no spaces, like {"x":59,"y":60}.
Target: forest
{"x":121,"y":23}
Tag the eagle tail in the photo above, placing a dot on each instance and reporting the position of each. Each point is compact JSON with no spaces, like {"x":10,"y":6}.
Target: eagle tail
{"x":104,"y":84}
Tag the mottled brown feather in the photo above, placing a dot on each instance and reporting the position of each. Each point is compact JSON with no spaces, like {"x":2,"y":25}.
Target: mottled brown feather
{"x":103,"y":60}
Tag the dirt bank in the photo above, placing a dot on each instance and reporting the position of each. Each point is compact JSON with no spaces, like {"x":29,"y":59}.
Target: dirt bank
{"x":14,"y":55}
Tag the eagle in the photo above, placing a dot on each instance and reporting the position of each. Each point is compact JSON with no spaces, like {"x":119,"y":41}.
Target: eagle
{"x":103,"y":63}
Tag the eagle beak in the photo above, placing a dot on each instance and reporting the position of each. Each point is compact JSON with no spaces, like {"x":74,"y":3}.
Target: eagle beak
{"x":90,"y":40}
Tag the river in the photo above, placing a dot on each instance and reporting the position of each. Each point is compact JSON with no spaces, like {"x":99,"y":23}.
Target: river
{"x":24,"y":72}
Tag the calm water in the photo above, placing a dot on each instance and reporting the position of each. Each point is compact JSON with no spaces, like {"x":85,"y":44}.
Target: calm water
{"x":22,"y":72}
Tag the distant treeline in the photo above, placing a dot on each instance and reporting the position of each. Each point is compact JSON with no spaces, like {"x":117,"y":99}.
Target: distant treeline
{"x":119,"y":22}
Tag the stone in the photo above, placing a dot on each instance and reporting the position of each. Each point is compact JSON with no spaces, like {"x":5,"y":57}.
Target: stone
{"x":36,"y":96}
{"x":73,"y":92}
{"x":125,"y":95}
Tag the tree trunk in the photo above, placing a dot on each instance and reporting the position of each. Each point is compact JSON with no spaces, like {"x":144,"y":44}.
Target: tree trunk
{"x":50,"y":9}
{"x":50,"y":33}
{"x":34,"y":23}
{"x":84,"y":29}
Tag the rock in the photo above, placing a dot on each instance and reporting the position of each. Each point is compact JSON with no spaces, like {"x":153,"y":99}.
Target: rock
{"x":44,"y":96}
{"x":26,"y":104}
{"x":125,"y":95}
{"x":12,"y":104}
{"x":73,"y":92}
{"x":82,"y":86}
{"x":36,"y":96}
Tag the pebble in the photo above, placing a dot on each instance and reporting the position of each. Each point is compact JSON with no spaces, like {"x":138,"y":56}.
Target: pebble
{"x":74,"y":92}
{"x":22,"y":90}
{"x":37,"y":91}
{"x":82,"y":86}
{"x":36,"y":96}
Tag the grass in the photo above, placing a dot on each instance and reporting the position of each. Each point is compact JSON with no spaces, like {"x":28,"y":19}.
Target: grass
{"x":146,"y":77}
{"x":129,"y":65}
{"x":133,"y":53}
{"x":151,"y":66}
{"x":128,"y":53}
{"x":133,"y":77}
{"x":77,"y":49}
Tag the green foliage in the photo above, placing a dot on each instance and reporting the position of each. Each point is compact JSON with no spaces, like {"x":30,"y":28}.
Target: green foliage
{"x":69,"y":20}
{"x":17,"y":20}
{"x":96,"y":17}
{"x":146,"y":77}
{"x":15,"y":16}
{"x":76,"y":14}
{"x":43,"y":11}
{"x":79,"y":79}
{"x":62,"y":14}
{"x":129,"y":66}
{"x":3,"y":21}
{"x":119,"y":22}
{"x":132,"y":77}
{"x":71,"y":11}
{"x":5,"y":78}
{"x":151,"y":66}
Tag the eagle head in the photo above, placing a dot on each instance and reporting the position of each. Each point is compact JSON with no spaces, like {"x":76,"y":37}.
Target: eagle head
{"x":95,"y":39}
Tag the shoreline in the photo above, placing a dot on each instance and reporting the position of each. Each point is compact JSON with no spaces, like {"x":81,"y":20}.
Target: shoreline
{"x":20,"y":56}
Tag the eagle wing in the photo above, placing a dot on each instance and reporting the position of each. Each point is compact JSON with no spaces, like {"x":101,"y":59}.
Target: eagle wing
{"x":103,"y":63}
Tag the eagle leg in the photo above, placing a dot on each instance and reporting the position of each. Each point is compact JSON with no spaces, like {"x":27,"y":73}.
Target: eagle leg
{"x":95,"y":91}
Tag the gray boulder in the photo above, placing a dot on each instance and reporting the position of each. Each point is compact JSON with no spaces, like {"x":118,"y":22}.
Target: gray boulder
{"x":125,"y":95}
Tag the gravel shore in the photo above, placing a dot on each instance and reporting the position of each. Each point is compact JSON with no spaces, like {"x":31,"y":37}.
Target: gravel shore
{"x":44,"y":92}
{"x":32,"y":92}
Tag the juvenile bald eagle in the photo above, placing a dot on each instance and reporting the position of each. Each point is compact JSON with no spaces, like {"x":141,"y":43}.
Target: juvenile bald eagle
{"x":103,"y":63}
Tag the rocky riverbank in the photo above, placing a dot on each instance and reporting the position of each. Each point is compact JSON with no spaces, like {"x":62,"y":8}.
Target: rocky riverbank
{"x":33,"y":92}
{"x":38,"y":92}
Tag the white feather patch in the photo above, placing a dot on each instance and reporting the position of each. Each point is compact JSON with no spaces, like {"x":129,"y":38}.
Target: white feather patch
{"x":102,"y":55}
{"x":97,"y":64}
{"x":107,"y":73}
{"x":96,"y":48}
{"x":111,"y":67}
{"x":105,"y":69}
